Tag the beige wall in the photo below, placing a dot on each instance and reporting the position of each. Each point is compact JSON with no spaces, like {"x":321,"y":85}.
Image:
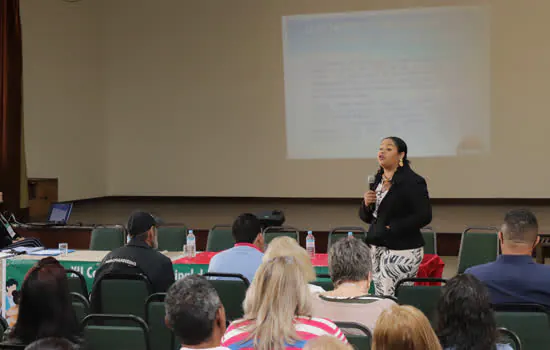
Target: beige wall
{"x":193,"y":101}
{"x":62,"y":93}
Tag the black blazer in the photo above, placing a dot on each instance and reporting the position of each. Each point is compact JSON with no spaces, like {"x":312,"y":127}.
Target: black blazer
{"x":405,"y":209}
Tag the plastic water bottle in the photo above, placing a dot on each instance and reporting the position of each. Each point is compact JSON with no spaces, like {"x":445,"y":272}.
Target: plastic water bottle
{"x":350,"y":234}
{"x":191,"y":245}
{"x":310,"y":244}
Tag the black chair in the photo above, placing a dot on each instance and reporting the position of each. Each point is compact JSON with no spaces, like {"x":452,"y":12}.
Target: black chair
{"x":430,"y":240}
{"x":506,"y":336}
{"x":359,"y":336}
{"x":231,"y":288}
{"x":220,"y":238}
{"x":81,"y":306}
{"x":121,"y":294}
{"x":342,"y":232}
{"x":107,"y":237}
{"x":161,"y":337}
{"x":530,"y":322}
{"x":478,"y":245}
{"x":273,"y":232}
{"x":77,"y":283}
{"x":423,"y":298}
{"x":129,"y":333}
{"x":172,"y":238}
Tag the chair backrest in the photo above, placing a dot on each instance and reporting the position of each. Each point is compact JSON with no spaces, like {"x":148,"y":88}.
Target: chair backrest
{"x":272,"y":232}
{"x":530,"y":322}
{"x":172,"y":238}
{"x":424,"y":298}
{"x":478,"y":245}
{"x":342,"y":232}
{"x":506,"y":336}
{"x":324,"y":281}
{"x":116,"y":293}
{"x":81,"y":306}
{"x":430,"y":240}
{"x":220,"y":238}
{"x":161,"y":336}
{"x":107,"y":238}
{"x":353,"y":334}
{"x":77,"y":282}
{"x":133,"y":334}
{"x":231,"y":288}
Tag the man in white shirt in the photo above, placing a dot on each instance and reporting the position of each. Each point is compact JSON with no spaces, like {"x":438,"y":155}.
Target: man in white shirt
{"x":194,"y":312}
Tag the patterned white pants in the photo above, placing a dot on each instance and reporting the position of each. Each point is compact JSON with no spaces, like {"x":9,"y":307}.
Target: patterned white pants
{"x":390,"y":266}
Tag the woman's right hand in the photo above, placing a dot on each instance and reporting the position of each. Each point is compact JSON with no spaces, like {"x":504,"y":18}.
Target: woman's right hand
{"x":369,"y":198}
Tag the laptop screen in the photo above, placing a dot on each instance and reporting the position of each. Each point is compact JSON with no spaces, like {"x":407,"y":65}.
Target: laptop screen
{"x":60,"y":212}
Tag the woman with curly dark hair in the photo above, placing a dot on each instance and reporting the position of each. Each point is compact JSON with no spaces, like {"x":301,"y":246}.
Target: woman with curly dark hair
{"x":465,"y":320}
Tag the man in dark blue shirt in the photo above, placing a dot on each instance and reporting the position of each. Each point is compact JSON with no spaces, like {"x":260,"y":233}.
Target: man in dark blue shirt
{"x":514,"y":277}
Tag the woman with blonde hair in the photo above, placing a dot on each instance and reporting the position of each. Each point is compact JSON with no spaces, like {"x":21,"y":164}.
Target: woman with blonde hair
{"x":277,"y":311}
{"x":286,"y":246}
{"x":404,"y":328}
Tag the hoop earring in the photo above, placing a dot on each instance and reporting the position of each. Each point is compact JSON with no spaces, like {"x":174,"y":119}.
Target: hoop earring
{"x":401,"y":162}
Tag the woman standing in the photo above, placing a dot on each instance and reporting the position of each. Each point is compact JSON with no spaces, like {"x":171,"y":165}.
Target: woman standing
{"x":397,"y":208}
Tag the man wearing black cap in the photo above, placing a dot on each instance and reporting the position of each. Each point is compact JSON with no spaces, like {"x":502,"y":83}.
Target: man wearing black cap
{"x":140,"y":254}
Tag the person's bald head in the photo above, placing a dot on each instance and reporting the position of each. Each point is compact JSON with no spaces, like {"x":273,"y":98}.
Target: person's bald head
{"x":520,"y":227}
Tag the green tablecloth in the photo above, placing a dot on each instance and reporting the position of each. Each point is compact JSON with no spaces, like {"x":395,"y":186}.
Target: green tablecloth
{"x":16,"y":269}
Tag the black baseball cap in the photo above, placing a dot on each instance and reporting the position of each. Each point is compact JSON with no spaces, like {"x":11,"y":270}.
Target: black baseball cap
{"x":140,"y":222}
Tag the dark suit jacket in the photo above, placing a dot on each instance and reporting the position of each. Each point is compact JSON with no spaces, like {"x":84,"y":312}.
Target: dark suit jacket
{"x":405,"y":209}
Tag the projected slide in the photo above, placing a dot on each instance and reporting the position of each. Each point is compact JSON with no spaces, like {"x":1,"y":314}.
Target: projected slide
{"x":353,"y":78}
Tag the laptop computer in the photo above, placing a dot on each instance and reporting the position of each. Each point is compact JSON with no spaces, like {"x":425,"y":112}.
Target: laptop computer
{"x":58,"y":216}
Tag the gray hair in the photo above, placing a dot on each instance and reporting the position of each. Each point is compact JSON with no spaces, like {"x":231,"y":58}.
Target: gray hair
{"x":349,"y":259}
{"x":191,"y":306}
{"x":520,"y":226}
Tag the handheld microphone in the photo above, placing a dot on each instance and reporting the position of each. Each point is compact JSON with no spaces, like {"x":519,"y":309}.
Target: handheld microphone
{"x":371,"y":179}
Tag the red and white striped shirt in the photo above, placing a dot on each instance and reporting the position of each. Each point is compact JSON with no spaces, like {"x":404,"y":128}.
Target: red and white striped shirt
{"x":306,"y":327}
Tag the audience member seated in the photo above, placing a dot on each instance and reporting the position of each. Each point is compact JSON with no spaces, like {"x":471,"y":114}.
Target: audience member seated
{"x":52,"y":344}
{"x":45,"y":308}
{"x":326,"y":342}
{"x":245,"y":257}
{"x":349,"y":264}
{"x":514,"y":277}
{"x":465,"y":320}
{"x":195,"y":313}
{"x":278,"y":312}
{"x":404,"y":327}
{"x":286,"y":246}
{"x":140,"y":254}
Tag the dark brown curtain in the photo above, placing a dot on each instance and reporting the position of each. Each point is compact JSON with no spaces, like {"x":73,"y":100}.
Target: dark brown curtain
{"x":11,"y":118}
